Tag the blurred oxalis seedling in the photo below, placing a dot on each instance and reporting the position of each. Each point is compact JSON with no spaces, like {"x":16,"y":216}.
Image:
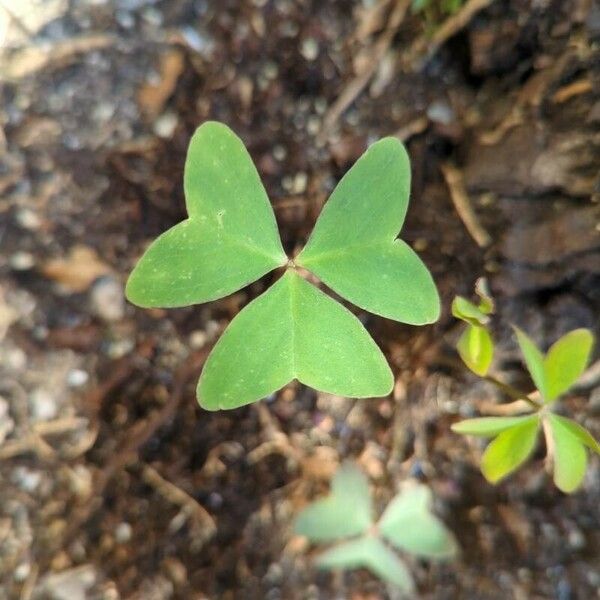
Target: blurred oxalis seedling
{"x":515,"y":437}
{"x":406,"y":523}
{"x":293,"y":330}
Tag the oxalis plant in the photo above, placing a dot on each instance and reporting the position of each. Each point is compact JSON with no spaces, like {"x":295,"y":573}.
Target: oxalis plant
{"x":346,"y":516}
{"x":553,"y":374}
{"x":293,"y":330}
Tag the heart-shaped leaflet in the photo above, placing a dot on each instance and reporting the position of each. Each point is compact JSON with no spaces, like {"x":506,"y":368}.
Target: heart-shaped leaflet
{"x":292,"y":331}
{"x":230,"y":238}
{"x":354,"y":247}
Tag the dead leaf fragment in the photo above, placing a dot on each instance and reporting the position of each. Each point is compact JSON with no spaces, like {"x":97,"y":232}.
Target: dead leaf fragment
{"x":153,"y":95}
{"x":81,"y":267}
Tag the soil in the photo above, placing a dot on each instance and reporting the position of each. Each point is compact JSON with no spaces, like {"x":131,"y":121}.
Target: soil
{"x":113,"y":482}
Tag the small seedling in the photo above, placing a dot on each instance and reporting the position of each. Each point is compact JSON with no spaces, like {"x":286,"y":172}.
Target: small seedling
{"x":293,"y":330}
{"x":407,"y":524}
{"x":515,"y":437}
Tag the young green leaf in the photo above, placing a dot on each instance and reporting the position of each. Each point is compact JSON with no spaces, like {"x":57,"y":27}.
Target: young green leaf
{"x":293,"y":330}
{"x":510,"y":449}
{"x":353,"y":247}
{"x":371,"y":553}
{"x":409,"y":525}
{"x":568,"y":453}
{"x":487,"y":426}
{"x":577,"y":431}
{"x":486,"y":302}
{"x":476,"y":349}
{"x":466,"y":311}
{"x":347,"y":511}
{"x":230,"y":238}
{"x":566,"y":361}
{"x":534,"y":360}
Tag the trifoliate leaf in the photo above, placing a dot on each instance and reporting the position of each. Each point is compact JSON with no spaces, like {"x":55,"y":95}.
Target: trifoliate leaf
{"x":566,"y":361}
{"x":476,"y":349}
{"x":293,"y":330}
{"x":409,"y":525}
{"x":510,"y":449}
{"x":345,"y":512}
{"x":568,"y":454}
{"x":230,"y":238}
{"x":353,"y":248}
{"x":487,"y":426}
{"x":370,"y":553}
{"x":534,"y":360}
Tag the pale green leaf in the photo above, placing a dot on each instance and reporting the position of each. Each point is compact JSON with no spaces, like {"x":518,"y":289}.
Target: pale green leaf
{"x":465,"y":310}
{"x":487,"y":426}
{"x":345,"y":512}
{"x":293,"y":330}
{"x":510,"y":450}
{"x":370,"y":553}
{"x":476,"y":349}
{"x":353,"y":247}
{"x":230,"y":238}
{"x":566,"y":361}
{"x":408,"y":524}
{"x":486,"y":302}
{"x":577,"y":431}
{"x":534,"y":360}
{"x":568,"y":455}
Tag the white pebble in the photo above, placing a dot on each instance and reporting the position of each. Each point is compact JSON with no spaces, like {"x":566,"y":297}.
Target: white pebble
{"x":43,"y":405}
{"x":108,"y":299}
{"x":165,"y":125}
{"x":77,"y":377}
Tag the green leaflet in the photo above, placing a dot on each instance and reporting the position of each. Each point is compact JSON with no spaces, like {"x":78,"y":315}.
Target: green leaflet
{"x":293,"y":330}
{"x":465,"y":310}
{"x":569,"y":456}
{"x":534,"y":360}
{"x":566,"y":361}
{"x":409,"y":525}
{"x":577,"y":431}
{"x":510,"y":449}
{"x":487,"y":426}
{"x":371,"y":553}
{"x":353,"y":247}
{"x":220,"y":248}
{"x":476,"y":349}
{"x":347,"y":511}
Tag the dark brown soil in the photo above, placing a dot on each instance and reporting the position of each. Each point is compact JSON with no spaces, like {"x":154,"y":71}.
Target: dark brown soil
{"x":111,"y":476}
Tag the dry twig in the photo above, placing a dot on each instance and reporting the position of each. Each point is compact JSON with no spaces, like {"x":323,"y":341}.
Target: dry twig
{"x":462,"y":204}
{"x":181,"y":498}
{"x":424,"y":48}
{"x":358,"y":84}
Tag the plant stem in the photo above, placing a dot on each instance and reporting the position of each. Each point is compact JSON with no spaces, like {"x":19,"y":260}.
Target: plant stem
{"x":514,"y":393}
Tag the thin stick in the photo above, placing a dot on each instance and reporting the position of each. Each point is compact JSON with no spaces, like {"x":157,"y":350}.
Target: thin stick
{"x":179,"y":497}
{"x":358,"y":84}
{"x":462,"y":204}
{"x":424,"y":49}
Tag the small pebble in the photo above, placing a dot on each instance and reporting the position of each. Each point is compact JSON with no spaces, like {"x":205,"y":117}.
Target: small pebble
{"x":43,"y":405}
{"x":77,"y":377}
{"x":26,"y":479}
{"x":107,"y":299}
{"x":22,"y":261}
{"x":28,"y":219}
{"x":22,"y":572}
{"x":299,"y":183}
{"x":165,"y":125}
{"x":198,"y":339}
{"x":309,"y":49}
{"x":123,"y":533}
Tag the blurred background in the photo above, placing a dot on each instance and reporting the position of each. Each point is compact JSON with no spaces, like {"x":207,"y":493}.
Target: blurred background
{"x":113,"y":482}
